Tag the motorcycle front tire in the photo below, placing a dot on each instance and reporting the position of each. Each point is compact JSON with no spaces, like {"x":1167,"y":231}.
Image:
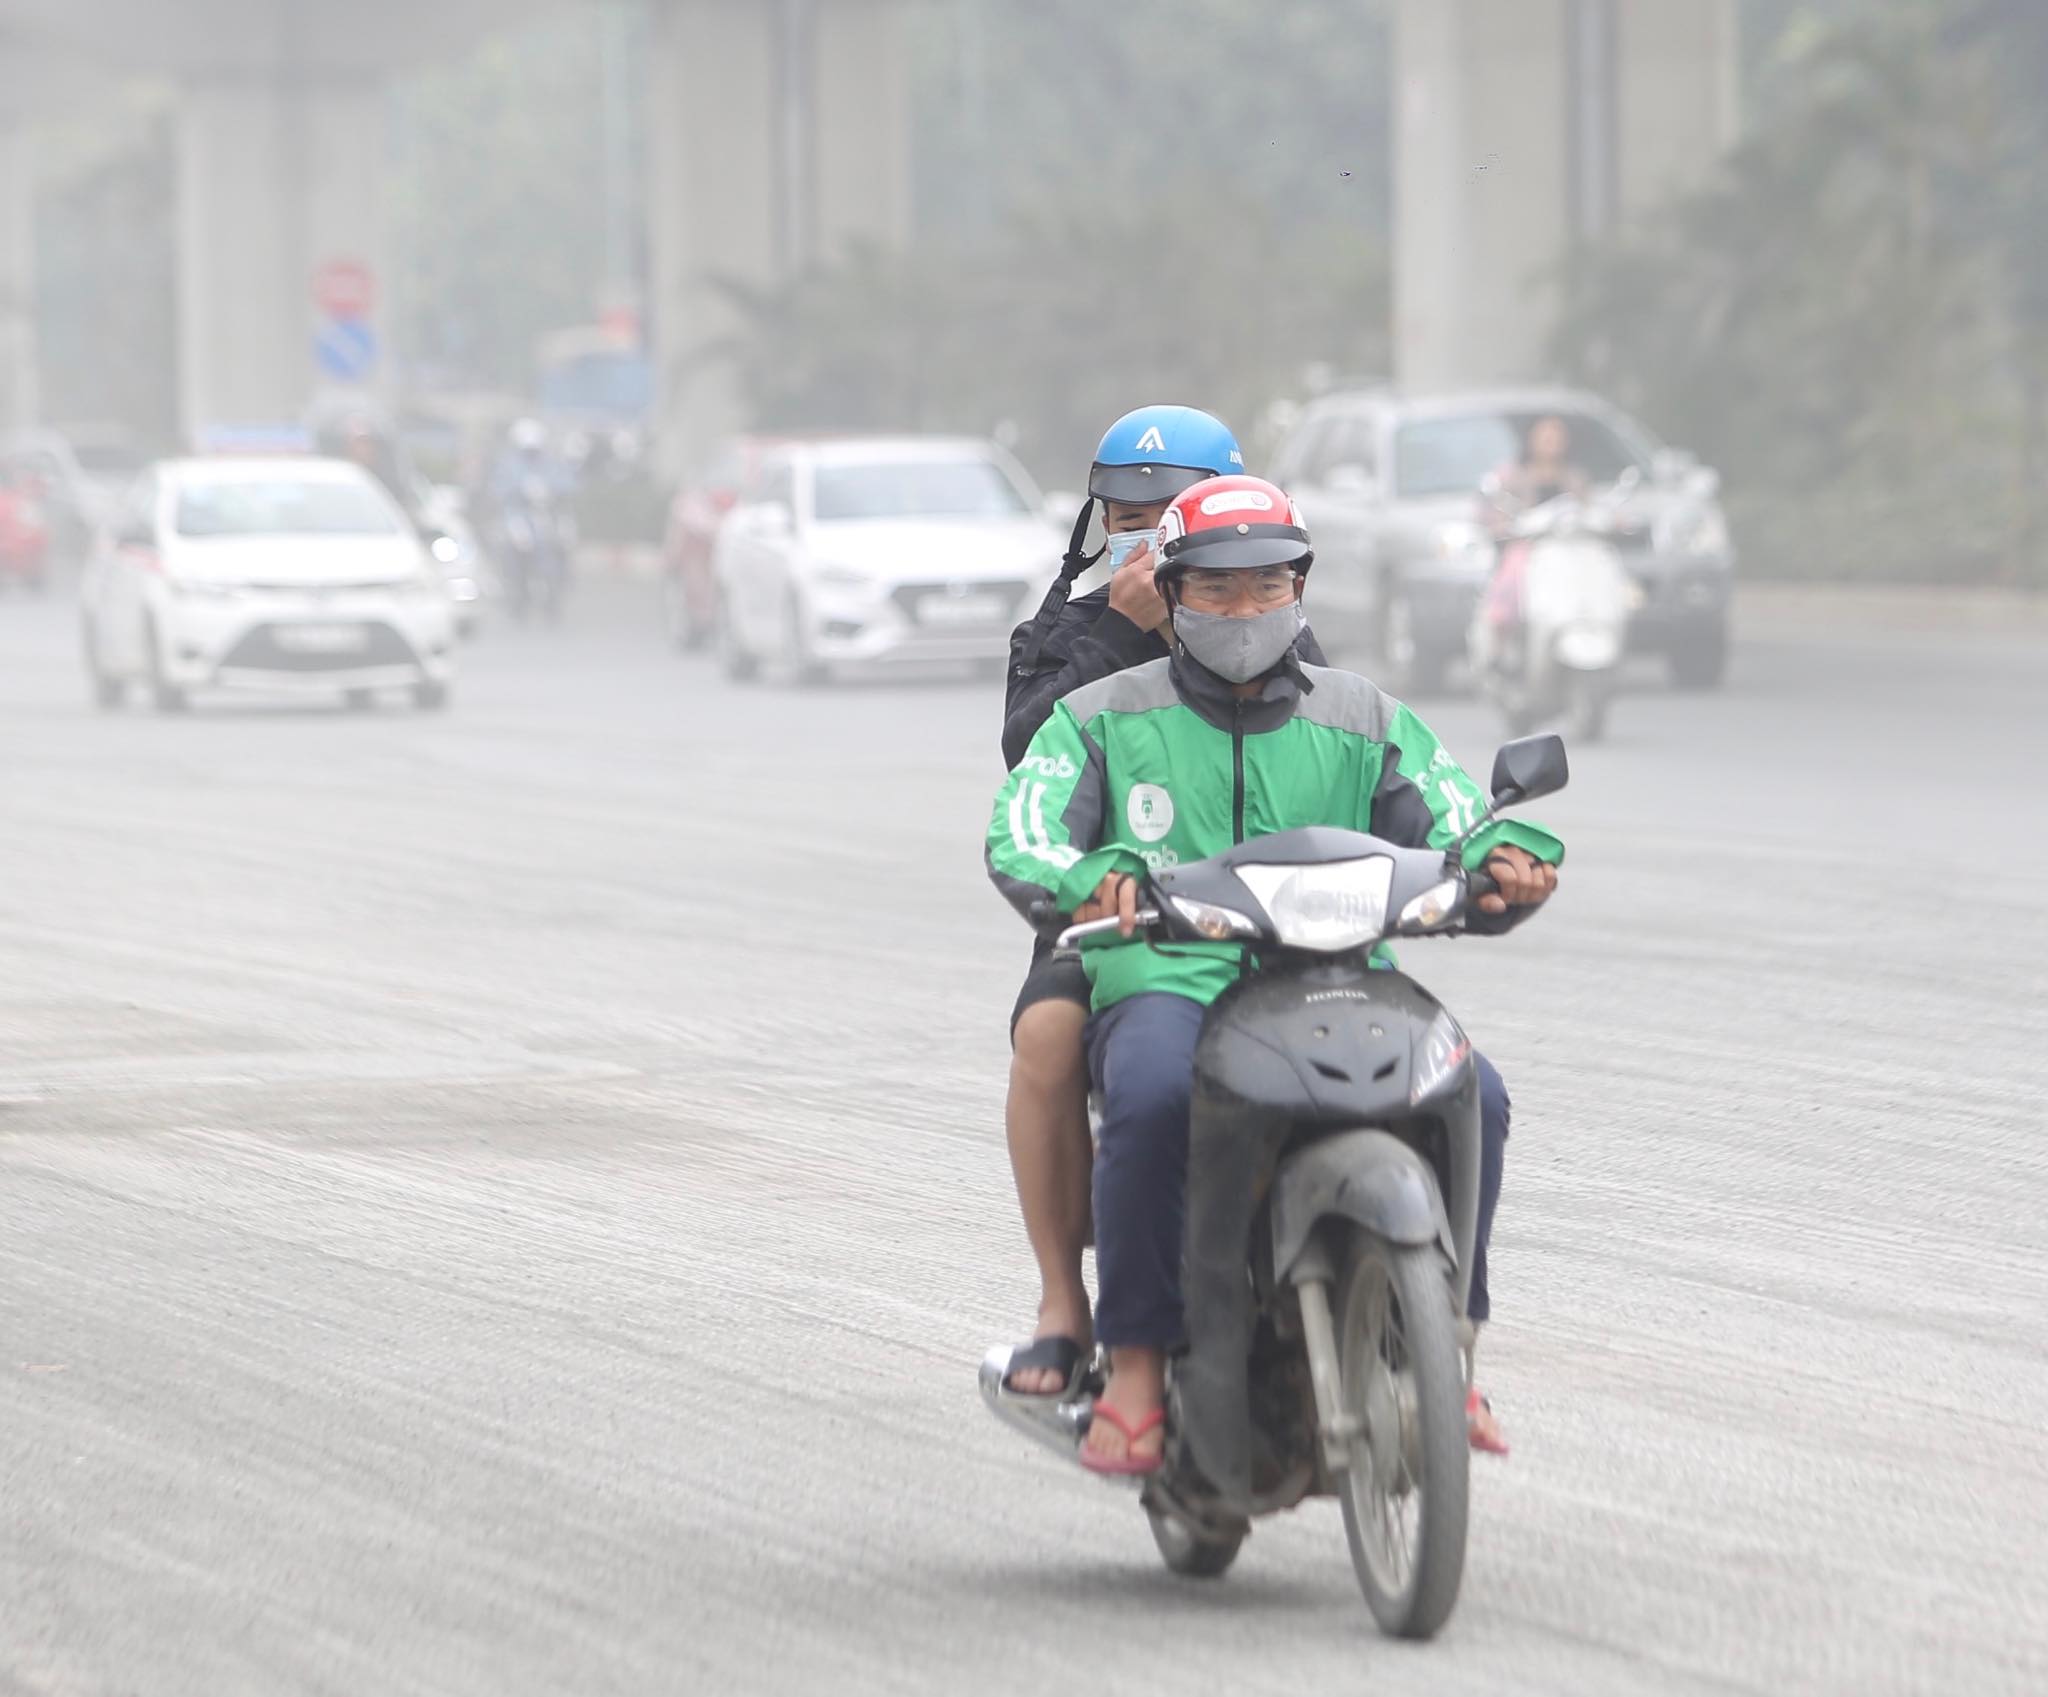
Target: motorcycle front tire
{"x":1411,"y":1409}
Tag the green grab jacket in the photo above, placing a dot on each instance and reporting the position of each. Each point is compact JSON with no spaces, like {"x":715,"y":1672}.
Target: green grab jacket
{"x":1160,"y":764}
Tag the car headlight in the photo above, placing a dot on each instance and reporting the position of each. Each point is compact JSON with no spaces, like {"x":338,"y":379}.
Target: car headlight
{"x":1438,"y":1056}
{"x":1339,"y":905}
{"x":447,"y":550}
{"x":1219,"y":924}
{"x":1705,"y":532}
{"x":840,"y":577}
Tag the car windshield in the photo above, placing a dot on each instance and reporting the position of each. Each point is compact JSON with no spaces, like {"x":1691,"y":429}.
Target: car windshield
{"x":276,"y":508}
{"x":916,"y":489}
{"x":1452,"y":456}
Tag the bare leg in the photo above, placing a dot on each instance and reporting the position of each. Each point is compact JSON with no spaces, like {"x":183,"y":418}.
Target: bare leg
{"x":1137,"y":1386}
{"x":1046,"y":1119}
{"x":1481,"y":1428}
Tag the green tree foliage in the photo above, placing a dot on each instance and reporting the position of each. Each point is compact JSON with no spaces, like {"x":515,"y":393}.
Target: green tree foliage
{"x":1838,"y":319}
{"x":499,"y":199}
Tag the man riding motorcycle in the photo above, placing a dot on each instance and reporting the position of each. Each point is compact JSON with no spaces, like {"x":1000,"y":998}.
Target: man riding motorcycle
{"x":1230,"y":737}
{"x":1145,"y":458}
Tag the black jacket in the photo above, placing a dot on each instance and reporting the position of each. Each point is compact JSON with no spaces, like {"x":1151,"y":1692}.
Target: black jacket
{"x":1089,"y":640}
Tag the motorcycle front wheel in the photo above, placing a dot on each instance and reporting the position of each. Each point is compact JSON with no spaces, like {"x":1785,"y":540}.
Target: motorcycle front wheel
{"x":1586,"y":708}
{"x":1404,"y":1494}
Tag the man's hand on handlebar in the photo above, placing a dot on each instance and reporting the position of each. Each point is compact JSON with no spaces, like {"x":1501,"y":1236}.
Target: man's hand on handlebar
{"x":1116,"y":897}
{"x":1523,"y":880}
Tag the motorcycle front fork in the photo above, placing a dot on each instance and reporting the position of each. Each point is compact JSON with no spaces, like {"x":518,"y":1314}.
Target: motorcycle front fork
{"x":1313,"y":1277}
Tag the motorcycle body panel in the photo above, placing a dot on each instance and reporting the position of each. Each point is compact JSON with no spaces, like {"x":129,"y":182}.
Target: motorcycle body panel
{"x":1301,"y":1113}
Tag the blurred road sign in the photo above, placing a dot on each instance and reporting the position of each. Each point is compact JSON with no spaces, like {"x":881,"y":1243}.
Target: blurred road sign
{"x":344,"y":288}
{"x":346,"y":349}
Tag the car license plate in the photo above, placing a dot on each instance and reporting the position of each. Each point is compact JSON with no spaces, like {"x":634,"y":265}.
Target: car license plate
{"x":321,"y":639}
{"x":976,"y":607}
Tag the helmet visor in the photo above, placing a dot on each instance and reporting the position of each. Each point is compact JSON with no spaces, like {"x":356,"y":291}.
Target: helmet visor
{"x":1142,"y":485}
{"x":1240,"y":548}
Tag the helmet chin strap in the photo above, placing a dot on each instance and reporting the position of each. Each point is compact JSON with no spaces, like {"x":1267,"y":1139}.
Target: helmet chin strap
{"x":1072,"y":565}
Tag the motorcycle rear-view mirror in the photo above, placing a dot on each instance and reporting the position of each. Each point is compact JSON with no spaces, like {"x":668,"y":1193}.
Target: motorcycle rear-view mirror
{"x":1529,"y":767}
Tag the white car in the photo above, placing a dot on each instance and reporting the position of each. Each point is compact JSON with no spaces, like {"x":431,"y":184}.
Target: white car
{"x":880,"y":550}
{"x":286,"y":574}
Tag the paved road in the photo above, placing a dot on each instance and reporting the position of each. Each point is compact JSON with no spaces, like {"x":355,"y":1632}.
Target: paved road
{"x":511,"y":1202}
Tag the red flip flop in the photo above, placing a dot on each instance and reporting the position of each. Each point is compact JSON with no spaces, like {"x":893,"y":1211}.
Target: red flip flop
{"x":1475,"y":1404}
{"x":1126,"y":1463}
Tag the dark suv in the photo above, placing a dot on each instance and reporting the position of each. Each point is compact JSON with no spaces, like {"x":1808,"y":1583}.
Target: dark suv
{"x":1390,"y":485}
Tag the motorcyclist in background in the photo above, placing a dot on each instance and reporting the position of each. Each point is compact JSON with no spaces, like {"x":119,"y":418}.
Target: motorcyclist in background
{"x":1232,"y":709}
{"x":528,"y":497}
{"x":1145,"y":459}
{"x":1543,"y":471}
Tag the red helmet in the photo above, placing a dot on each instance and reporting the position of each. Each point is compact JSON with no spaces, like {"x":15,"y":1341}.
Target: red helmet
{"x":1231,"y":524}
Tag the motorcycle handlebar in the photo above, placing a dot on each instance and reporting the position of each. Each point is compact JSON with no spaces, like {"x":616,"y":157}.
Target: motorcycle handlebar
{"x":1479,"y":883}
{"x":1096,"y":927}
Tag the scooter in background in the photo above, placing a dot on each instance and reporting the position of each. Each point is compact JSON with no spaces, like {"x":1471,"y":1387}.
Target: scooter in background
{"x":1548,"y":636}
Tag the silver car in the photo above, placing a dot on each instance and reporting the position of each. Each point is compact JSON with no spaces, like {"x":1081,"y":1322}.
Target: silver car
{"x":1391,"y":487}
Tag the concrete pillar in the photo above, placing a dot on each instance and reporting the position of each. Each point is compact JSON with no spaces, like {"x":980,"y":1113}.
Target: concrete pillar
{"x":862,"y":127}
{"x":1679,"y":95}
{"x":19,"y":383}
{"x":1481,"y":188}
{"x":278,"y":175}
{"x":1518,"y":126}
{"x":780,"y":131}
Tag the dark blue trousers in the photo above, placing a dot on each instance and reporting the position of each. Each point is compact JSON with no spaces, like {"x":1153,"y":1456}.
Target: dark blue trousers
{"x":1141,"y":1055}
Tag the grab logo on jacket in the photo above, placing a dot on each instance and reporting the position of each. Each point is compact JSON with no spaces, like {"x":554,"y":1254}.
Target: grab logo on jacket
{"x":1149,"y":811}
{"x":1046,"y":766}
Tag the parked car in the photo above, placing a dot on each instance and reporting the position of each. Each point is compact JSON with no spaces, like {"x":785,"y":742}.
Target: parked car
{"x":689,"y":597}
{"x":880,"y":550}
{"x":280,"y":574}
{"x":1390,"y":484}
{"x":24,"y":531}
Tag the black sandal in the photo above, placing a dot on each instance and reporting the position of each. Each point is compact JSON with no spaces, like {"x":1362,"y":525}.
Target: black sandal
{"x":1062,"y":1355}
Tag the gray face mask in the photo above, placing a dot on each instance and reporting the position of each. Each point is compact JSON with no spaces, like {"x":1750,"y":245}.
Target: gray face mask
{"x":1239,"y":650}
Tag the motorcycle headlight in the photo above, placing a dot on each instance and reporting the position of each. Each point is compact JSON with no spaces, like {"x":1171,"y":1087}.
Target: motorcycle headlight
{"x":1458,"y":539}
{"x":1438,"y":1056}
{"x":1332,"y":907}
{"x":1219,"y":924}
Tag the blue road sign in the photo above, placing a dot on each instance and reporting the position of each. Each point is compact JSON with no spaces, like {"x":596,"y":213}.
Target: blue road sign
{"x":346,"y":349}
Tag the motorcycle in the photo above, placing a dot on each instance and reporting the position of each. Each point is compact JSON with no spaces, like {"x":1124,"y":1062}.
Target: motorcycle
{"x":1331,"y":1213}
{"x":537,"y":537}
{"x":1547,"y":638}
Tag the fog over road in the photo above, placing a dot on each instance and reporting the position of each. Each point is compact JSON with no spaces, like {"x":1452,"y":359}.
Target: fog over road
{"x":513,"y":1201}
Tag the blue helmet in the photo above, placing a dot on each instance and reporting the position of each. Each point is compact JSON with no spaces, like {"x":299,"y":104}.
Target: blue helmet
{"x":1156,"y":452}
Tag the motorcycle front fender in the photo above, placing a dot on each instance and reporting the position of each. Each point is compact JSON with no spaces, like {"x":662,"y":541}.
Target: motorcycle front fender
{"x":1371,"y":1178}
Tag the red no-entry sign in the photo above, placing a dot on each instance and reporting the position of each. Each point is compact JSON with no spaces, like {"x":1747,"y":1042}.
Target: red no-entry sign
{"x":344,"y":288}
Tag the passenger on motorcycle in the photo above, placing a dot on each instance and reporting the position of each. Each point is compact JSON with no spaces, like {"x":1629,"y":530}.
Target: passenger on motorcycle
{"x":1145,"y":459}
{"x":1230,"y":737}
